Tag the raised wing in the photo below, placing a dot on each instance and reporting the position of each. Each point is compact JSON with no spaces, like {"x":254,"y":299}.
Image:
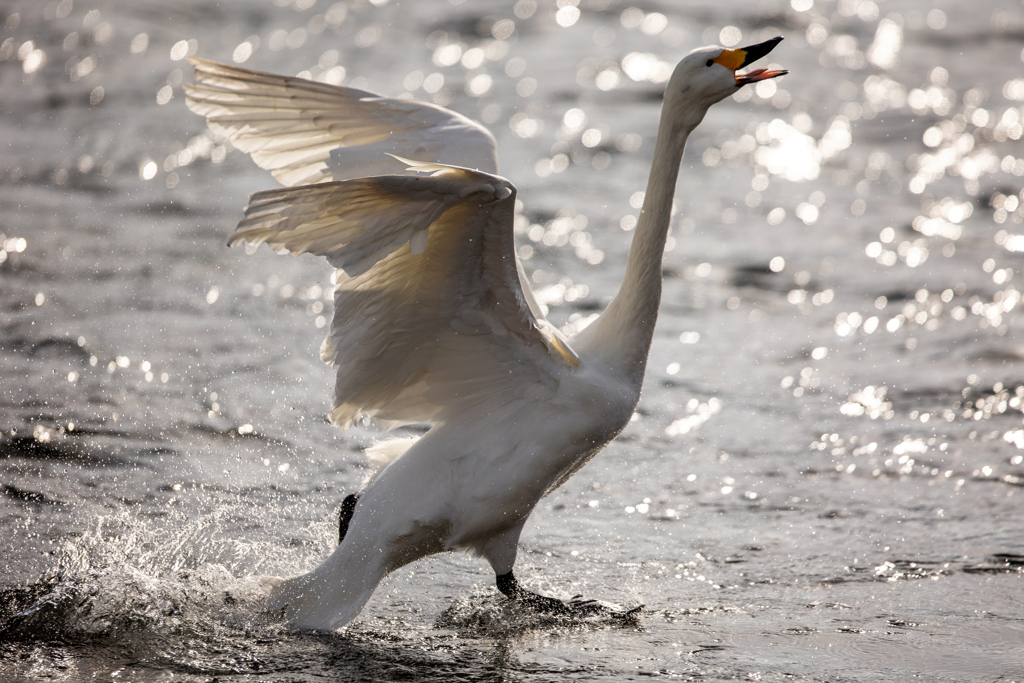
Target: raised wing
{"x":307,"y":132}
{"x":430,"y":312}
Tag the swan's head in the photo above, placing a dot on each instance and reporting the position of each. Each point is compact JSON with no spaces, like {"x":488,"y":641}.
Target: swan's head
{"x":710,"y":74}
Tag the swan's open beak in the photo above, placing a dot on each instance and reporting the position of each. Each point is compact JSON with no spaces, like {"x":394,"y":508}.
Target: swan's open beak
{"x":742,"y":56}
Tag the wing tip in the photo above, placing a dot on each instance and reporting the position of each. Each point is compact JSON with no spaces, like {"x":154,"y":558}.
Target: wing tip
{"x":343,"y":417}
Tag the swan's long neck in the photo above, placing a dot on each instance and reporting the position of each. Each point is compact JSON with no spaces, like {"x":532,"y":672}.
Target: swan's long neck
{"x":622,"y":335}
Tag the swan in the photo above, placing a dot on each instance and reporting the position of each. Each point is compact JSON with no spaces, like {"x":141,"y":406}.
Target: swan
{"x":434,"y":319}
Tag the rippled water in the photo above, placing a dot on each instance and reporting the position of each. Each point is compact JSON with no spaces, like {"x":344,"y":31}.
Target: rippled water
{"x":823,"y":478}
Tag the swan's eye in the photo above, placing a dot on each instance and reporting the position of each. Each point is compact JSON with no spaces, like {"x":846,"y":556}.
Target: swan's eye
{"x":710,"y":62}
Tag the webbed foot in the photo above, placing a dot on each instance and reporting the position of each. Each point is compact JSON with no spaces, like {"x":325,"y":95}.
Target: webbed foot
{"x":576,"y":607}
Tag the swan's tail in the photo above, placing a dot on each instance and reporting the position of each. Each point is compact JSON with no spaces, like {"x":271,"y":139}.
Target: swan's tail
{"x":331,"y":595}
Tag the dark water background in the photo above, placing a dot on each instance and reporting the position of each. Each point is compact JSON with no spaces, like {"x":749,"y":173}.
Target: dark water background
{"x":823,"y":478}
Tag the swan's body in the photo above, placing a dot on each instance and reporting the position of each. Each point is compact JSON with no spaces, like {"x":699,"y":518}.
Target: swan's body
{"x":434,"y":321}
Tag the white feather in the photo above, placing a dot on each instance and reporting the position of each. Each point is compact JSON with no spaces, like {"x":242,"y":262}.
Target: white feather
{"x":383,"y":452}
{"x":427,"y":266}
{"x":306,"y":132}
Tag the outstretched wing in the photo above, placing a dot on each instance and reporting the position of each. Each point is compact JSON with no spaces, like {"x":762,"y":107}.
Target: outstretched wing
{"x":430,"y":312}
{"x":307,"y":132}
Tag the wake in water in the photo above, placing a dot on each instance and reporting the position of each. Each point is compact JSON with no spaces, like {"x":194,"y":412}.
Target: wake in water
{"x":493,"y":616}
{"x":129,"y":579}
{"x":182,"y":595}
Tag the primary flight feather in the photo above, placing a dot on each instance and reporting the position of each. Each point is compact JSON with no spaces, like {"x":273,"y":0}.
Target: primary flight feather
{"x":434,"y":320}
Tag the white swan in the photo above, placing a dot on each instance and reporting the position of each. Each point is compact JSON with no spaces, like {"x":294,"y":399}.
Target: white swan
{"x":434,"y":320}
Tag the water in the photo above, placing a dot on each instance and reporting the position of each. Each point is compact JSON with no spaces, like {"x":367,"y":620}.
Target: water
{"x":823,"y":479}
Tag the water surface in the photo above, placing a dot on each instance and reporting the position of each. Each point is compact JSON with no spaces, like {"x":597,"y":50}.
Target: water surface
{"x":823,"y":477}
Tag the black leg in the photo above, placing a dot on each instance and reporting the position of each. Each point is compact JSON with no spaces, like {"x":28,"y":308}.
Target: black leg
{"x":348,"y":506}
{"x":510,"y":587}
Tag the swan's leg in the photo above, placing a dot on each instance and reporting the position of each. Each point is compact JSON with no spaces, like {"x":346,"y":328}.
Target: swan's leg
{"x":348,"y":506}
{"x":510,"y":587}
{"x":501,"y":551}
